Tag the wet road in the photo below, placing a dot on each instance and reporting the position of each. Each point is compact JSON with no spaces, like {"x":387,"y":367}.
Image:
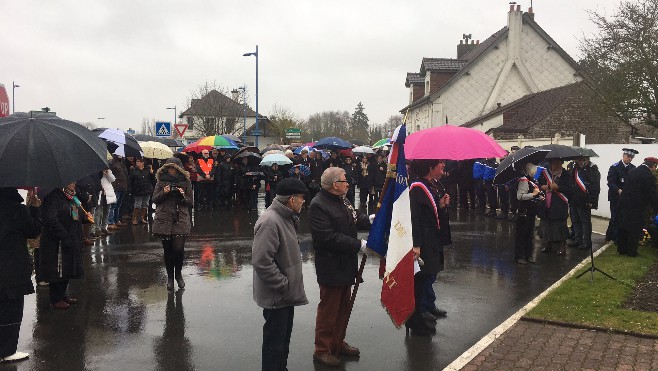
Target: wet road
{"x":126,"y":319}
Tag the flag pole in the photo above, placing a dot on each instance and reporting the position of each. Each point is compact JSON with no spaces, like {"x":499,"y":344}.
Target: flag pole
{"x":390,"y":174}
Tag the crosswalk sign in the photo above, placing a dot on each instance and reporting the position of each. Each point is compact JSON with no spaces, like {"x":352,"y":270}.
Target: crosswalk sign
{"x":163,"y":129}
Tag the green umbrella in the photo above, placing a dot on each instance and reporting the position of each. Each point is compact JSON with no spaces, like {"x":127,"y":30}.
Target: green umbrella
{"x":381,"y":142}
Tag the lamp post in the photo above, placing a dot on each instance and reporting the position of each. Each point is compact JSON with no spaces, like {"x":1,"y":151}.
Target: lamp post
{"x":256,"y":55}
{"x":13,"y":94}
{"x":244,"y":113}
{"x":174,"y":108}
{"x":173,"y":124}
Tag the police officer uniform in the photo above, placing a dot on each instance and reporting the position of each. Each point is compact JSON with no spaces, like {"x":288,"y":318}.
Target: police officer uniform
{"x":616,"y":178}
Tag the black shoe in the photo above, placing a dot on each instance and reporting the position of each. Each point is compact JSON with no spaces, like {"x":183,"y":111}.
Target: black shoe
{"x":181,"y":283}
{"x":170,"y":284}
{"x":572,"y":242}
{"x":438,"y":313}
{"x":418,"y":330}
{"x":427,"y":316}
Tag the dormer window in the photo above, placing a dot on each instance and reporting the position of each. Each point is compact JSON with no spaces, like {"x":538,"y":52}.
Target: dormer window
{"x":427,"y":87}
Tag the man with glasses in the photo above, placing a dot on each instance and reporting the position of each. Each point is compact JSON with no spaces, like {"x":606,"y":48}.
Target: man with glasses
{"x":616,"y":178}
{"x":334,"y":223}
{"x":278,"y":280}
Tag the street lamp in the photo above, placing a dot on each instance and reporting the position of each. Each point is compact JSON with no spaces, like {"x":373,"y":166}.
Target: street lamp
{"x":13,"y":101}
{"x":256,"y":55}
{"x":174,"y":108}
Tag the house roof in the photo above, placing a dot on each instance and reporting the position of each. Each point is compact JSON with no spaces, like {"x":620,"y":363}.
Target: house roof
{"x":476,"y":54}
{"x":217,"y":104}
{"x":413,"y":78}
{"x":441,"y":64}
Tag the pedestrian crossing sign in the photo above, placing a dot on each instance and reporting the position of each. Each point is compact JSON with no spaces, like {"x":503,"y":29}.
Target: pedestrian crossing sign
{"x":163,"y":129}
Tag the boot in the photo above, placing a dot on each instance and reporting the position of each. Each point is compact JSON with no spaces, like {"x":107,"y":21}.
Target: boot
{"x":135,"y":216}
{"x":562,"y":248}
{"x":144,"y":216}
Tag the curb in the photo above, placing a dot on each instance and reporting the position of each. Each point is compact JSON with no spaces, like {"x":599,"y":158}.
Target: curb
{"x":588,"y":327}
{"x":494,"y":334}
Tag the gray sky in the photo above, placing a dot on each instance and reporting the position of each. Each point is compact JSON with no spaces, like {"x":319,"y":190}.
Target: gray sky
{"x":130,"y":59}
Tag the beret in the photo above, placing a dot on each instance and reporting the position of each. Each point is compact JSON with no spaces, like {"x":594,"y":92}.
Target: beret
{"x":290,"y":186}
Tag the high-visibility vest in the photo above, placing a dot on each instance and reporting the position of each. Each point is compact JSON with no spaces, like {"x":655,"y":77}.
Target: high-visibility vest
{"x":205,"y":166}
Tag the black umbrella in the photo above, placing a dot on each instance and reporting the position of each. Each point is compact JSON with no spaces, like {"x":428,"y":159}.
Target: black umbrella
{"x":272,"y":147}
{"x":561,"y":152}
{"x":43,"y":150}
{"x":254,"y":158}
{"x":512,"y":166}
{"x":332,"y":143}
{"x":586,"y":152}
{"x":127,"y":145}
{"x":242,"y":150}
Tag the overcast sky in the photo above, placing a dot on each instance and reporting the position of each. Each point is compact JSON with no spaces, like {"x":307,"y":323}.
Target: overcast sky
{"x":126,"y":60}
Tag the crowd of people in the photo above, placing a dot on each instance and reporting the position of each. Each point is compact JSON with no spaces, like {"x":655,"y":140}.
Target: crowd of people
{"x":67,"y":218}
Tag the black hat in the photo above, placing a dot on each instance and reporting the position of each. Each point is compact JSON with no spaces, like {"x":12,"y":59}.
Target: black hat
{"x":630,"y":151}
{"x":290,"y":186}
{"x":515,"y":148}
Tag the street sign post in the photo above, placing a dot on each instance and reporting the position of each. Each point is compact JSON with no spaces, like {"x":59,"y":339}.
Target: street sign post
{"x":293,"y":133}
{"x":163,"y":129}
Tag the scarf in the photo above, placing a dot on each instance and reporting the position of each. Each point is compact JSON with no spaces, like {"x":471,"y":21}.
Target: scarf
{"x":74,"y":203}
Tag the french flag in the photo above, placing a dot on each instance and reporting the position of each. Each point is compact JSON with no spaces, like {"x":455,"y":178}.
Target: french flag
{"x":390,"y":236}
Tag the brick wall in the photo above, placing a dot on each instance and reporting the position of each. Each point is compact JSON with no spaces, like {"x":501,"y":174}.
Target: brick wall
{"x":438,"y":79}
{"x":417,"y":91}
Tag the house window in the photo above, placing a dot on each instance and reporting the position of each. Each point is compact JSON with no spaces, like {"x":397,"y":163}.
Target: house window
{"x":190,"y":123}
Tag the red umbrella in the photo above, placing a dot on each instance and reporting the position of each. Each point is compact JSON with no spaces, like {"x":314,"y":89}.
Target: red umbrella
{"x":449,"y":142}
{"x":196,"y":147}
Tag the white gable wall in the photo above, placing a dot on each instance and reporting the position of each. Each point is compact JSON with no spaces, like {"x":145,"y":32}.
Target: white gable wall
{"x":466,"y":97}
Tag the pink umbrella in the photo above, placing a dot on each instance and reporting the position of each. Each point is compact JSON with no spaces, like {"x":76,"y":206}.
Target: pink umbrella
{"x":451,"y":143}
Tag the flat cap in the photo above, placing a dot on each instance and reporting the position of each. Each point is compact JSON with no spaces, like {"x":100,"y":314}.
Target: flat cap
{"x":290,"y":186}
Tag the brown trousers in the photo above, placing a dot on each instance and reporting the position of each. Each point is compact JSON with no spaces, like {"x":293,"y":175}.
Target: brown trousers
{"x":332,"y":314}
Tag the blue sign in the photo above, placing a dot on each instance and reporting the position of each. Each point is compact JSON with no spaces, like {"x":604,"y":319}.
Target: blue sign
{"x":163,"y":129}
{"x":131,"y":131}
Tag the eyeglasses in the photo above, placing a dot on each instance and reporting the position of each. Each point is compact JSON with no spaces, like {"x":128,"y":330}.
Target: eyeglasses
{"x":341,"y":181}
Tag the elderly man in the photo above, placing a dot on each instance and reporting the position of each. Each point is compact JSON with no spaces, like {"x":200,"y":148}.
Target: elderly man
{"x":639,"y":194}
{"x":334,"y":223}
{"x":278,"y":281}
{"x":616,"y":180}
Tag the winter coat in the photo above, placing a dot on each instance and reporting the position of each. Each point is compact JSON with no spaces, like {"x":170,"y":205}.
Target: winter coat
{"x":276,"y":259}
{"x":617,"y":179}
{"x":639,"y":194}
{"x":558,"y":209}
{"x":17,"y":224}
{"x":227,"y":177}
{"x":591,"y":178}
{"x":140,"y":181}
{"x":61,"y":238}
{"x":120,"y":172}
{"x":172,"y":214}
{"x":88,"y":189}
{"x":351,"y":175}
{"x":378,"y":174}
{"x":365,"y":181}
{"x":334,"y":233}
{"x":426,"y":232}
{"x":272,"y":178}
{"x":107,"y":188}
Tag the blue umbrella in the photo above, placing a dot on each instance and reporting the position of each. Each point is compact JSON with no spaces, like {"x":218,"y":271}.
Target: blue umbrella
{"x":303,"y":169}
{"x":332,"y":143}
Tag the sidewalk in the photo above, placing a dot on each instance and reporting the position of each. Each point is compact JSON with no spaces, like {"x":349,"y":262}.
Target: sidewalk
{"x":530,"y":345}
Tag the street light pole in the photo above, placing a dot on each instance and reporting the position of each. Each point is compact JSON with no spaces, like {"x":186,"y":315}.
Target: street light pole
{"x":174,"y":123}
{"x":244,"y":113}
{"x":256,"y":55}
{"x":13,"y":94}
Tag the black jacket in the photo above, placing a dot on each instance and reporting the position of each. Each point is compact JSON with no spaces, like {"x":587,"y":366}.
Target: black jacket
{"x":17,"y":224}
{"x":378,"y":173}
{"x":365,"y":181}
{"x":591,"y":178}
{"x":351,"y":175}
{"x":426,"y":232}
{"x":141,"y":181}
{"x":334,"y":232}
{"x":639,"y":193}
{"x":558,"y":210}
{"x":617,"y":178}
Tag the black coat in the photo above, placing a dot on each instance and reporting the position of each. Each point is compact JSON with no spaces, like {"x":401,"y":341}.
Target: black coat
{"x":351,"y":173}
{"x":591,"y":177}
{"x":88,"y":189}
{"x":226,"y":171}
{"x":558,"y":210}
{"x":365,"y":181}
{"x":272,"y":178}
{"x":426,"y":232}
{"x":17,"y":224}
{"x":617,"y":178}
{"x":61,"y":235}
{"x":334,"y":233}
{"x":378,"y":174}
{"x":141,"y":181}
{"x":639,"y":193}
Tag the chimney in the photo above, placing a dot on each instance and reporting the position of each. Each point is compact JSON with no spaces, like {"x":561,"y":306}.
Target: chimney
{"x":235,"y":94}
{"x":514,"y":27}
{"x":464,"y":46}
{"x":531,"y":13}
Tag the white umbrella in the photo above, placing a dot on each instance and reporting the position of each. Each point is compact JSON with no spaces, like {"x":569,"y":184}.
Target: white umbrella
{"x":275,"y":158}
{"x":156,"y":150}
{"x":362,"y":150}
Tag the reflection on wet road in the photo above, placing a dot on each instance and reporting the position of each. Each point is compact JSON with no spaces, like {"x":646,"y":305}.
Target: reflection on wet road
{"x":127,"y":320}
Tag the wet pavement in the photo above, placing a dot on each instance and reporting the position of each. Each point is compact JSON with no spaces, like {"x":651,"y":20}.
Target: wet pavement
{"x":127,"y":320}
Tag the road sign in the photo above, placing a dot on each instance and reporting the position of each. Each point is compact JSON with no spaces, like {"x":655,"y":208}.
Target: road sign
{"x":256,"y":133}
{"x":293,"y":133}
{"x":180,"y":129}
{"x":163,"y":129}
{"x":4,"y":102}
{"x":131,"y":131}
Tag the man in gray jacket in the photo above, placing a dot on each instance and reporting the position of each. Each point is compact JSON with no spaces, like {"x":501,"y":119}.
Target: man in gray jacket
{"x":277,"y":263}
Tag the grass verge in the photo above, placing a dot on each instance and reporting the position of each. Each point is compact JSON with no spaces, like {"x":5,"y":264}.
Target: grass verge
{"x":599,"y":304}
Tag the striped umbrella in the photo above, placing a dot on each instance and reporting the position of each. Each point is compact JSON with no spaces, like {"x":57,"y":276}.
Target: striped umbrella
{"x":381,"y":142}
{"x":210,"y":142}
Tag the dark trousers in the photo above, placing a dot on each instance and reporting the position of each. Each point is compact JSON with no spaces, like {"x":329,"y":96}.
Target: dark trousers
{"x":628,"y":241}
{"x":269,"y":195}
{"x":581,"y":219}
{"x":331,"y":317}
{"x":523,"y":243}
{"x":466,"y":193}
{"x":11,"y":316}
{"x":252,"y":196}
{"x":351,"y":194}
{"x":205,"y":193}
{"x":429,"y":297}
{"x":513,"y":201}
{"x":480,"y":193}
{"x":611,"y":232}
{"x":363,"y":198}
{"x":503,"y":195}
{"x":174,"y":254}
{"x":492,"y":195}
{"x":451,"y":189}
{"x":276,"y":338}
{"x":58,"y":291}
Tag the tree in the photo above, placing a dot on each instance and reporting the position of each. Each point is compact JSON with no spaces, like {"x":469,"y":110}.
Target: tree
{"x":386,"y":129}
{"x":148,"y":126}
{"x":359,"y":124}
{"x":282,"y":118}
{"x":216,"y":116}
{"x":327,"y":124}
{"x":622,"y":59}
